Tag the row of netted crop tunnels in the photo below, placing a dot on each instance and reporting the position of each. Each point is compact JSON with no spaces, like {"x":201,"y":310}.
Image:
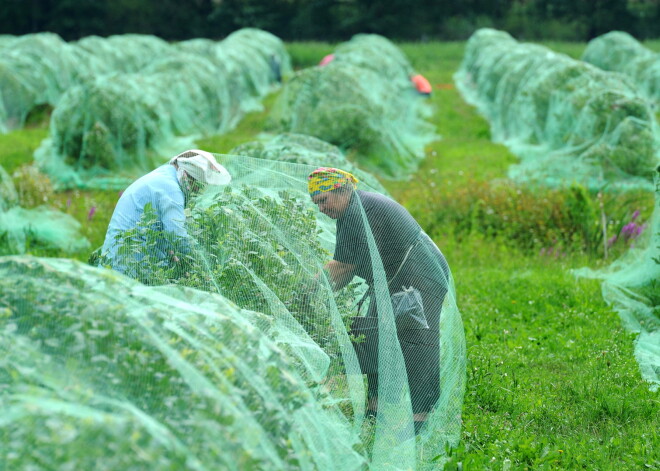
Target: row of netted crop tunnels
{"x":592,"y":122}
{"x":240,"y":357}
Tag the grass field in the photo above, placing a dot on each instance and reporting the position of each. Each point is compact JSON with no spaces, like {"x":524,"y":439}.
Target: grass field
{"x":552,"y":381}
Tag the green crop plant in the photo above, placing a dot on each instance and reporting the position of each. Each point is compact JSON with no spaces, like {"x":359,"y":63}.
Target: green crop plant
{"x":246,"y":246}
{"x":156,"y":376}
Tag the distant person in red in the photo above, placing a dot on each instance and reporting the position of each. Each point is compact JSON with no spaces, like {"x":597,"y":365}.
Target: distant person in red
{"x":326,"y":60}
{"x":421,"y":84}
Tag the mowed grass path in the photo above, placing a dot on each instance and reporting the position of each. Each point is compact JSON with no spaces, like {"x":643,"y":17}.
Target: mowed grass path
{"x":552,"y":381}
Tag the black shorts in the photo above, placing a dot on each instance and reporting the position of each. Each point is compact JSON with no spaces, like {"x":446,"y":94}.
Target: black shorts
{"x":421,"y":355}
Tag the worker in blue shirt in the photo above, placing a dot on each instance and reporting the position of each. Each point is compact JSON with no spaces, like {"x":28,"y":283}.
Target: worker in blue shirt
{"x":156,"y":202}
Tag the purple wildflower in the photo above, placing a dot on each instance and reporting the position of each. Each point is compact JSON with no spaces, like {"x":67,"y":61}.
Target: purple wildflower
{"x":68,"y":203}
{"x":611,"y":241}
{"x":632,"y":230}
{"x":635,"y":215}
{"x":628,"y":230}
{"x":91,"y":213}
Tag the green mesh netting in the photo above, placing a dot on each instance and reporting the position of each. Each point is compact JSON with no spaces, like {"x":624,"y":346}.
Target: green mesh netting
{"x":308,"y":150}
{"x":6,"y":40}
{"x":8,"y":195}
{"x":23,"y":229}
{"x":101,"y":372}
{"x":36,"y":69}
{"x":377,"y":53}
{"x":304,"y":149}
{"x":126,"y":53}
{"x":260,"y":57}
{"x":566,"y":120}
{"x":361,"y":102}
{"x":244,"y":357}
{"x":620,"y":52}
{"x":632,"y":286}
{"x":254,"y":61}
{"x":113,"y":126}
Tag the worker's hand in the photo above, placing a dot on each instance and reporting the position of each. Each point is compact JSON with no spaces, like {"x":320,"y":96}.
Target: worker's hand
{"x":174,"y":258}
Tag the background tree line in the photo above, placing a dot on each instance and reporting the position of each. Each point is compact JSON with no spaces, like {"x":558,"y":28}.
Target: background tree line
{"x":333,"y":20}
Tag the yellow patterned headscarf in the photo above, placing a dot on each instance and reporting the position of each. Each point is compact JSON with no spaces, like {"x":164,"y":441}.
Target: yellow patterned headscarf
{"x":326,"y":179}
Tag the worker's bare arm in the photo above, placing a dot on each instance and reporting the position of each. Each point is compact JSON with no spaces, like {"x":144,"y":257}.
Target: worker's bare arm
{"x":340,"y":273}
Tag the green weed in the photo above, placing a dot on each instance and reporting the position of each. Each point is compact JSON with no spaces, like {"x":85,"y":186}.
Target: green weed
{"x":307,"y":53}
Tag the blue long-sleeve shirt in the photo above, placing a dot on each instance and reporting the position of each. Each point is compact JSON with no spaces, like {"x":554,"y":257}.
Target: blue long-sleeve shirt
{"x":160,"y":188}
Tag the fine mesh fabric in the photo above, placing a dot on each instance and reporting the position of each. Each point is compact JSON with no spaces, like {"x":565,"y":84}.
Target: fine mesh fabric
{"x":566,"y":120}
{"x":125,"y":53}
{"x":122,"y":102}
{"x":304,"y":149}
{"x":618,"y":51}
{"x":226,"y":346}
{"x":364,"y":103}
{"x":102,"y":372}
{"x":34,"y":69}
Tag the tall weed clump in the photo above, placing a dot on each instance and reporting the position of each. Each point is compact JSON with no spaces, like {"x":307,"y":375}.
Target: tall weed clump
{"x":548,"y":222}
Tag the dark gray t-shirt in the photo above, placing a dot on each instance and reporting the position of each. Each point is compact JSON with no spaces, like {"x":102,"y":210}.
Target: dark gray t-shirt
{"x":393,"y":228}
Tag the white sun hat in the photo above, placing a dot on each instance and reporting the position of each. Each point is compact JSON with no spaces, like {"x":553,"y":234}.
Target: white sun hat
{"x":201,"y":166}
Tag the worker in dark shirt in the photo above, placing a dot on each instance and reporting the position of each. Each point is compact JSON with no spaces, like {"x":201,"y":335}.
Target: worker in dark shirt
{"x":409,"y":259}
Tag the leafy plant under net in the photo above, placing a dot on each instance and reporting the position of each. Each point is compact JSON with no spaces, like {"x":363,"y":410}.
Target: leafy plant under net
{"x":104,"y":129}
{"x":127,"y":53}
{"x":253,"y":61}
{"x":361,"y":103}
{"x":261,"y":243}
{"x":568,"y":121}
{"x":377,"y":53}
{"x":99,"y":371}
{"x":34,"y":69}
{"x":618,"y":51}
{"x":23,"y":230}
{"x":261,"y":58}
{"x":112,"y":127}
{"x":304,"y":149}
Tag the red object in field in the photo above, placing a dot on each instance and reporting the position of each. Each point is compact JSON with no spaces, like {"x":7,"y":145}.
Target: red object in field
{"x":421,"y":84}
{"x":326,"y":60}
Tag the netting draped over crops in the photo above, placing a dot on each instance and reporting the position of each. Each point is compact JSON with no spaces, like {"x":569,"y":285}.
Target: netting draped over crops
{"x":567,"y":120}
{"x":131,"y":98}
{"x":126,"y":53}
{"x":102,"y":372}
{"x":620,"y":52}
{"x":22,"y":228}
{"x":304,"y":149}
{"x":238,"y":352}
{"x":362,"y":101}
{"x":308,"y":150}
{"x":34,"y":69}
{"x":632,"y":286}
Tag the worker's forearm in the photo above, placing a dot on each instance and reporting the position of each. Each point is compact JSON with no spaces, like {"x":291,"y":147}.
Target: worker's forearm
{"x":339,"y":273}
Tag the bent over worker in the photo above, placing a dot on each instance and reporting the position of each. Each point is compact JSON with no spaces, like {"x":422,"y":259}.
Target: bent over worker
{"x":166,"y":191}
{"x":410,"y":259}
